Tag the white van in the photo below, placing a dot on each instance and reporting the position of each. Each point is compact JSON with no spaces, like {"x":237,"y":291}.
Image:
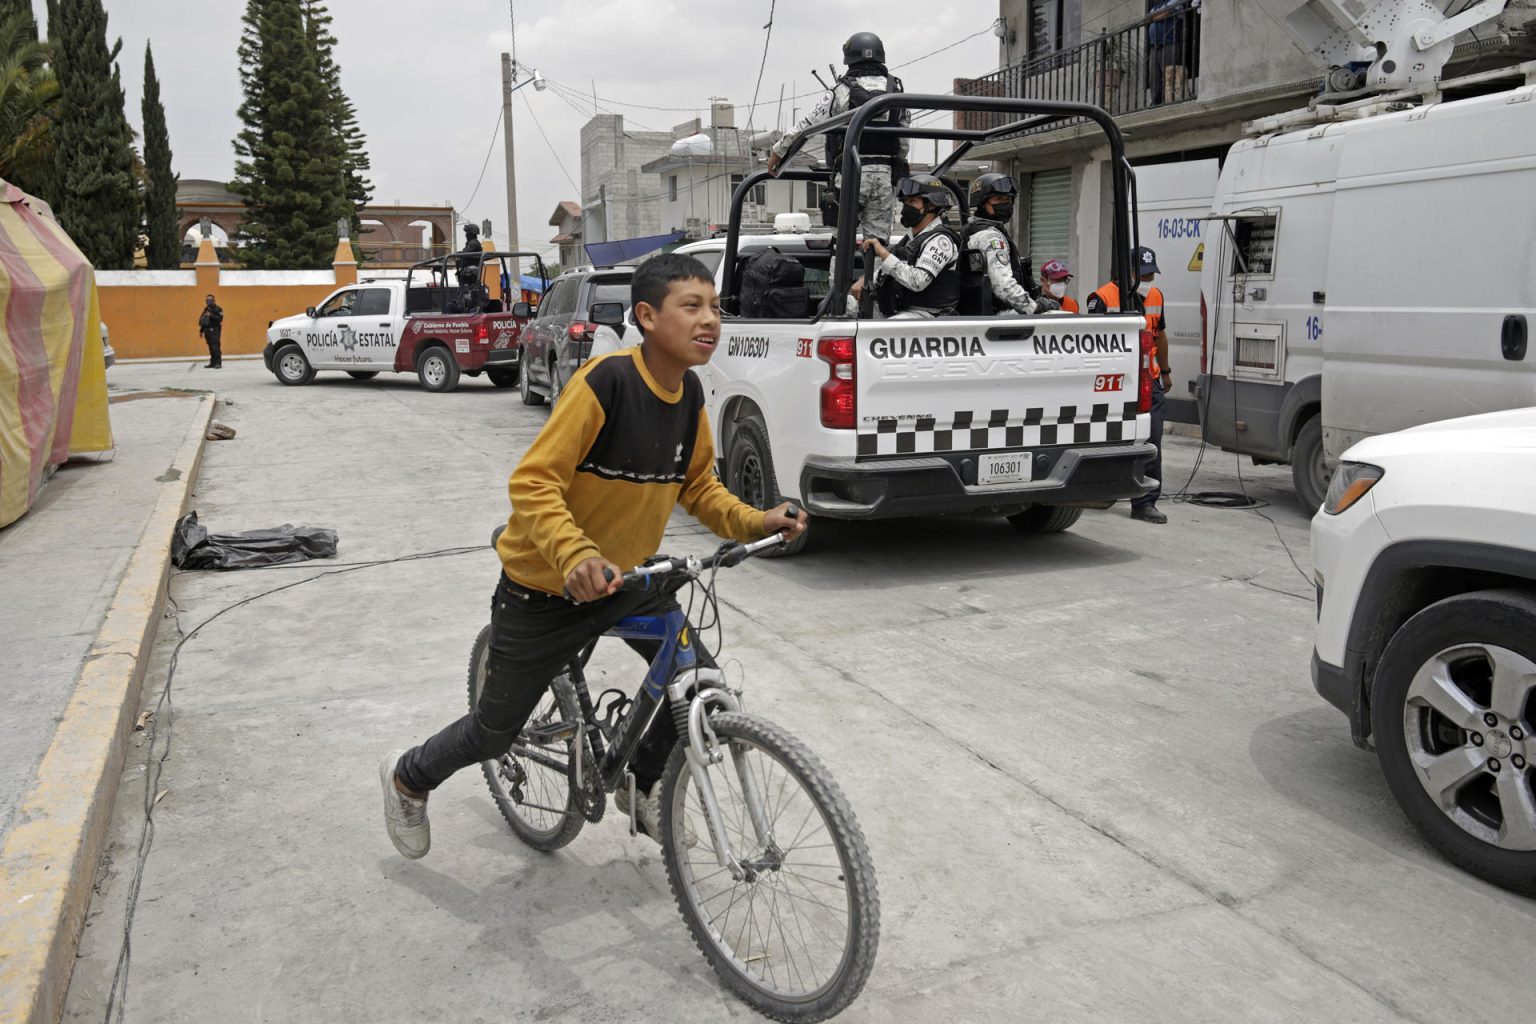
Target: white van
{"x":1173,"y":204}
{"x":1371,"y":274}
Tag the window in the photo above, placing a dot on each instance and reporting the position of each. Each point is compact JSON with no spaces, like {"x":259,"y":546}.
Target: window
{"x":373,"y":302}
{"x":561,"y":299}
{"x":813,"y":195}
{"x":609,"y":289}
{"x":759,"y":191}
{"x":672,"y":188}
{"x":339,"y":304}
{"x":711,"y":259}
{"x":1054,"y":25}
{"x":1253,"y":247}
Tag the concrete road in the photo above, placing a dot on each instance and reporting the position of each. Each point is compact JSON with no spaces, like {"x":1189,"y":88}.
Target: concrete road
{"x":1094,"y":777}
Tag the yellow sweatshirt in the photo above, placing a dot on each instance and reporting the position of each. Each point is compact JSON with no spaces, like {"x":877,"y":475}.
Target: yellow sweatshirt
{"x":617,"y":453}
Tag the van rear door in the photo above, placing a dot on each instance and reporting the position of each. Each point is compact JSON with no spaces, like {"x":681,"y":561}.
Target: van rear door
{"x":976,"y":390}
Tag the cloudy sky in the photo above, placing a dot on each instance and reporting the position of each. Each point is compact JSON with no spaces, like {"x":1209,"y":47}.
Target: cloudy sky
{"x":426,"y":78}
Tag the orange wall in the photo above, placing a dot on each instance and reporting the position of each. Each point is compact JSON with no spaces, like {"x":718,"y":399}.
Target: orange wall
{"x":147,"y":321}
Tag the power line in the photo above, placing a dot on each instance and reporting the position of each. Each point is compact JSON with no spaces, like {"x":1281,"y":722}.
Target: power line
{"x":941,"y":49}
{"x":550,"y":145}
{"x":752,"y":110}
{"x":489,"y":150}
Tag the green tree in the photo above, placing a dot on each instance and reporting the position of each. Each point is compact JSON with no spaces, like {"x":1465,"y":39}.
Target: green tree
{"x":29,"y":94}
{"x":289,"y":168}
{"x":164,"y":248}
{"x":97,"y":194}
{"x":348,"y":134}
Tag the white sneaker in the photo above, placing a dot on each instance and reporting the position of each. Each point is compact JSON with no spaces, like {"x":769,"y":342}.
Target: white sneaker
{"x":648,"y":812}
{"x":405,"y":817}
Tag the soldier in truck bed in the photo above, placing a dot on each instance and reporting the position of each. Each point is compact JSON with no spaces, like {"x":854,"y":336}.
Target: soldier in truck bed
{"x":919,"y":278}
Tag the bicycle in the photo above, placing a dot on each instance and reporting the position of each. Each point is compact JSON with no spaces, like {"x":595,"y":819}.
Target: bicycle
{"x":762,"y":851}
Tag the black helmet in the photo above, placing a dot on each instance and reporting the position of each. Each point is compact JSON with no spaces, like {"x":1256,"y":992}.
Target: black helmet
{"x":927,"y":186}
{"x":471,"y":228}
{"x":863,"y":46}
{"x":991,"y":184}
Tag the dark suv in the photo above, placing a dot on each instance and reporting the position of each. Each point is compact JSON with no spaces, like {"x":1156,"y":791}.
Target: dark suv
{"x":559,"y":337}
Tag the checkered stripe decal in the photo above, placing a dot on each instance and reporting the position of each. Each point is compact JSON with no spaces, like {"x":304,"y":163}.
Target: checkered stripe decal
{"x":1001,"y":428}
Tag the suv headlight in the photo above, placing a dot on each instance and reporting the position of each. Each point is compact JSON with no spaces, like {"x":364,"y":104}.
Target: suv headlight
{"x":1349,"y":485}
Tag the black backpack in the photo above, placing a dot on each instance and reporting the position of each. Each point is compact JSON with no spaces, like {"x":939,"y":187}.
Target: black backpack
{"x":773,"y":286}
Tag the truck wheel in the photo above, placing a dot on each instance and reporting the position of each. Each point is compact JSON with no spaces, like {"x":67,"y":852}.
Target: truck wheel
{"x":1309,"y":467}
{"x":362,"y":374}
{"x":503,"y":378}
{"x":437,"y":370}
{"x":525,"y":388}
{"x":749,"y":475}
{"x":1045,"y":518}
{"x":1453,"y":710}
{"x":291,"y":366}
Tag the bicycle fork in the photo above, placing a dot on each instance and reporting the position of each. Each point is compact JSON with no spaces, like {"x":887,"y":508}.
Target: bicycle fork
{"x":691,"y":716}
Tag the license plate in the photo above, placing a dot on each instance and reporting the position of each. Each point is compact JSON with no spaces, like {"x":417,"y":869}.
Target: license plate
{"x":1010,"y":468}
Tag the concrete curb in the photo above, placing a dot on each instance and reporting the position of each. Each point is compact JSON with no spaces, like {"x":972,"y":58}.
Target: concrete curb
{"x":48,"y":863}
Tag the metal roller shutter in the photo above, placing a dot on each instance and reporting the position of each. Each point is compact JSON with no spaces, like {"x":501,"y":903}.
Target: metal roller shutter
{"x":1050,"y":215}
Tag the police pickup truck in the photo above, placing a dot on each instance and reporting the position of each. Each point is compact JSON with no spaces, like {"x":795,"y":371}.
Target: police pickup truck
{"x":445,"y":319}
{"x":1033,"y":418}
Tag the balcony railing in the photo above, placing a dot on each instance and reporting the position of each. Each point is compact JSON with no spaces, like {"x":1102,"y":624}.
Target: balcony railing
{"x":1151,"y":63}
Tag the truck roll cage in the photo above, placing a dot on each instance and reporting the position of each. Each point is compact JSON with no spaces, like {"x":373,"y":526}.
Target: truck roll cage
{"x":1037,"y":114}
{"x":460,"y":273}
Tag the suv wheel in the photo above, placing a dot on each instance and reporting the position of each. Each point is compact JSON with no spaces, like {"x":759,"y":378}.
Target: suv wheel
{"x":525,"y":385}
{"x":556,"y":381}
{"x":1453,"y":709}
{"x":749,"y":476}
{"x":1045,"y":518}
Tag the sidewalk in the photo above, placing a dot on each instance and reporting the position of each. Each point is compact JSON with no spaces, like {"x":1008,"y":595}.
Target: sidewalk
{"x":81,"y":590}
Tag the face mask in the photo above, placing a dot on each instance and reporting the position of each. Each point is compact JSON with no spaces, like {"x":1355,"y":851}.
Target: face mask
{"x":910,"y":215}
{"x":1144,"y":288}
{"x":1002,"y":212}
{"x":1057,"y":289}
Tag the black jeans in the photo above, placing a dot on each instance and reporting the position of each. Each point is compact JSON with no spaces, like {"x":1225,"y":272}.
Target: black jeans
{"x":215,"y":355}
{"x":533,"y":637}
{"x":1155,"y":466}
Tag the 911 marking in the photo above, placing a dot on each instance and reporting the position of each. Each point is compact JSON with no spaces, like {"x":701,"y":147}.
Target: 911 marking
{"x":803,"y":348}
{"x":1109,"y":382}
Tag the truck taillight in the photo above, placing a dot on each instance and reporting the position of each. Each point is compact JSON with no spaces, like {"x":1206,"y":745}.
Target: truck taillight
{"x":1203,"y":328}
{"x":482,"y":333}
{"x":1144,"y":379}
{"x":582,"y":331}
{"x":838,"y":400}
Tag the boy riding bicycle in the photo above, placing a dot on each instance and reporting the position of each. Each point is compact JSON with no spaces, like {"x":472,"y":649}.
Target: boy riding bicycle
{"x":591,"y":497}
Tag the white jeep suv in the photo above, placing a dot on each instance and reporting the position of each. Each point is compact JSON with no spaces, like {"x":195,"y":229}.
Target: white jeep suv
{"x":1425,"y":553}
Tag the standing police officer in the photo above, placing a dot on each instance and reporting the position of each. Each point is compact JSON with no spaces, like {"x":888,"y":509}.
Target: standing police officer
{"x":995,"y":281}
{"x":210,"y":327}
{"x":919,"y":279}
{"x":1148,"y":300}
{"x":881,"y":156}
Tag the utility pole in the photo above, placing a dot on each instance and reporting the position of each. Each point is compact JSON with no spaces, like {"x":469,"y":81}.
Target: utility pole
{"x":506,"y":134}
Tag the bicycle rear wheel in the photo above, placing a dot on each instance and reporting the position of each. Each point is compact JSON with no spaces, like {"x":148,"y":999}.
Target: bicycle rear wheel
{"x":531,"y":783}
{"x":796,"y":938}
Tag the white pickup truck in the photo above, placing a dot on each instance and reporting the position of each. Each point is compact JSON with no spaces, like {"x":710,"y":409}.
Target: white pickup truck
{"x":1033,"y":418}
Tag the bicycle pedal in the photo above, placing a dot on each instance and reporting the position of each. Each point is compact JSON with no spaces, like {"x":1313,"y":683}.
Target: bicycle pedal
{"x":554,"y":732}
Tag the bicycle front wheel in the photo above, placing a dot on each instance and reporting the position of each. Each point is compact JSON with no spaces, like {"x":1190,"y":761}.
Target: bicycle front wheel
{"x":796,"y":935}
{"x":531,"y":783}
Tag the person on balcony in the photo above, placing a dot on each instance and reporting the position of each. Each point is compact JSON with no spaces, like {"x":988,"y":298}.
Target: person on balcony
{"x":1169,"y":46}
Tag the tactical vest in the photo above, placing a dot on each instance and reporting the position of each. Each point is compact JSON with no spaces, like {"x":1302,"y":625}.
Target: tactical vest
{"x":942,"y":294}
{"x":881,"y":147}
{"x":976,"y":295}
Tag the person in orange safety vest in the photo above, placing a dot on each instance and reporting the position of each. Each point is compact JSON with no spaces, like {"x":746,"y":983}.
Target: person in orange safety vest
{"x":1148,"y":300}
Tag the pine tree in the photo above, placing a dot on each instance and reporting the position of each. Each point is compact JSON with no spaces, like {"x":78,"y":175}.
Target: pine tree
{"x":97,"y":195}
{"x":289,"y":170}
{"x":164,"y":248}
{"x":353,"y":151}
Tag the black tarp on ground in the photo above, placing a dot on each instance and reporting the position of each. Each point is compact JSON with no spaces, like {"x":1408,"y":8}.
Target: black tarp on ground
{"x":194,"y":547}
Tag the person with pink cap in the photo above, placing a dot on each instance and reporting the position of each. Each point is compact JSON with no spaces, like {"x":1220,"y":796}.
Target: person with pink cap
{"x":1053,"y":282}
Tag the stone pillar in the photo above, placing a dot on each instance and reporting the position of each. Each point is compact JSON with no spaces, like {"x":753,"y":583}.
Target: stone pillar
{"x":343,"y":265}
{"x":207,"y":265}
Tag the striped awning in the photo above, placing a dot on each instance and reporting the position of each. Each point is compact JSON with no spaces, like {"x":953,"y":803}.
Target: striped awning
{"x":53,"y":384}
